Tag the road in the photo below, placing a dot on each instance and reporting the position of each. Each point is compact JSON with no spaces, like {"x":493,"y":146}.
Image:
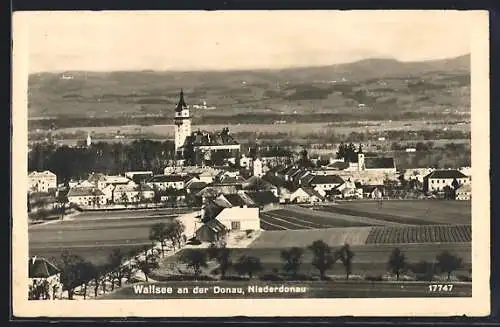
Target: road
{"x":315,"y":289}
{"x":95,"y":235}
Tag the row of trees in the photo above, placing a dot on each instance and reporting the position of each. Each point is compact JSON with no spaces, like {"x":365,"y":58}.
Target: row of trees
{"x":324,"y":258}
{"x":108,"y":158}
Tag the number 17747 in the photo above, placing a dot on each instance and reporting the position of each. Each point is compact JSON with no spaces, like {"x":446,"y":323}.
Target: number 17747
{"x":440,"y":287}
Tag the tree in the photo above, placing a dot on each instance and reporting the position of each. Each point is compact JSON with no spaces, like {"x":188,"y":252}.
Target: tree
{"x":448,"y":263}
{"x":174,"y":231}
{"x":323,"y":258}
{"x":449,"y":193}
{"x":195,"y":259}
{"x":158,"y":233}
{"x":346,"y":256}
{"x":224,"y":260}
{"x":292,"y":260}
{"x":118,"y":271}
{"x":71,"y":273}
{"x":397,"y":262}
{"x":86,"y":269}
{"x":248,"y":265}
{"x":147,"y":264}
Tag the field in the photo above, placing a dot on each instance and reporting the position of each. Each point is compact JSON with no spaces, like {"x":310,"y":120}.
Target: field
{"x":369,"y":260}
{"x":94,"y":235}
{"x":410,"y":211}
{"x":369,"y":213}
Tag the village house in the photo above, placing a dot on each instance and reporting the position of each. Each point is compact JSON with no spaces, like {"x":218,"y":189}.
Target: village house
{"x":101,"y":181}
{"x":86,"y":196}
{"x":42,"y":181}
{"x":132,"y":193}
{"x":163,"y":182}
{"x":239,"y":218}
{"x":439,"y":179}
{"x":325,"y":182}
{"x":306,"y":195}
{"x":172,"y":196}
{"x":41,"y":271}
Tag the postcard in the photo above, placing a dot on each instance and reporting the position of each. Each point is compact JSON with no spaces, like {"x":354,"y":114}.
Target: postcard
{"x":259,"y":163}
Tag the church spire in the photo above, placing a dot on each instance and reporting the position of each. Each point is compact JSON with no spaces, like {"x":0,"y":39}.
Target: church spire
{"x":182,"y":104}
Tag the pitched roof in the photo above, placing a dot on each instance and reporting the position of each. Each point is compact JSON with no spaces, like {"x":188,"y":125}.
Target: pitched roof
{"x":446,"y":174}
{"x":196,"y":185}
{"x":230,"y":180}
{"x":235,"y":200}
{"x":379,"y":162}
{"x":339,"y":165}
{"x":215,"y":225}
{"x":312,"y":192}
{"x":41,"y":268}
{"x":262,"y":197}
{"x":84,"y":191}
{"x":258,"y":183}
{"x":326,"y":179}
{"x":274,"y":180}
{"x":168,"y":178}
{"x":182,"y":103}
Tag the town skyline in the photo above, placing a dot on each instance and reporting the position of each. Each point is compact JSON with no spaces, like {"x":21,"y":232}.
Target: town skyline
{"x":294,"y":39}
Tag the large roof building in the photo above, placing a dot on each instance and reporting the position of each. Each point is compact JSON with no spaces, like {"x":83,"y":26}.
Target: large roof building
{"x":201,"y":147}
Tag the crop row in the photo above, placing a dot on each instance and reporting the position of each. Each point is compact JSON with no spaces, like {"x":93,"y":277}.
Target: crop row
{"x":420,"y":234}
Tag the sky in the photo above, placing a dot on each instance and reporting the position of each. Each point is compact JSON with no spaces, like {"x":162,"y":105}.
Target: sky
{"x":218,"y":40}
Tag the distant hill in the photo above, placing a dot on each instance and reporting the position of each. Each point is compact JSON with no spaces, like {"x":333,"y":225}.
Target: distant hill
{"x":371,"y":85}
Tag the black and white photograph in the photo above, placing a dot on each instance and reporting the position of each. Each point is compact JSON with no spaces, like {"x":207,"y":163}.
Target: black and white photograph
{"x":251,"y":157}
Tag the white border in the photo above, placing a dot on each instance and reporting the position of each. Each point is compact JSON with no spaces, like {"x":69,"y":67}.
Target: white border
{"x":478,"y":305}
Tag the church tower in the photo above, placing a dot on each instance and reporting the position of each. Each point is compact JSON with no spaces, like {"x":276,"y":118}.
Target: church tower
{"x":182,"y":121}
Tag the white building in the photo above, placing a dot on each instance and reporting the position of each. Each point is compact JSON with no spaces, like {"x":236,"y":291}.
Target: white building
{"x":182,"y":120}
{"x":237,"y":218}
{"x":439,"y":179}
{"x":132,"y":193}
{"x":325,"y":182}
{"x":306,"y":195}
{"x":41,"y":181}
{"x":86,"y":196}
{"x":163,"y":182}
{"x":257,"y":168}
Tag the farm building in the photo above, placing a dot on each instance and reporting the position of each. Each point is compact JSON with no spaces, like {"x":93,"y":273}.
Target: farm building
{"x":237,"y":218}
{"x":211,"y":231}
{"x":464,"y":192}
{"x":42,"y":181}
{"x":439,"y":179}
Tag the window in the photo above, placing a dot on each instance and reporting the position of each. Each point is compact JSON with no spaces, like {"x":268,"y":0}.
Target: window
{"x":444,"y":181}
{"x":236,"y":225}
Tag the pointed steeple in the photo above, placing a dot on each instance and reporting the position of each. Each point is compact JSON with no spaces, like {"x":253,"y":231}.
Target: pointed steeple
{"x":182,"y":104}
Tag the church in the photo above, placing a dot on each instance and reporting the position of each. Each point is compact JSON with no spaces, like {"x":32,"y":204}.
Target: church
{"x":201,"y":148}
